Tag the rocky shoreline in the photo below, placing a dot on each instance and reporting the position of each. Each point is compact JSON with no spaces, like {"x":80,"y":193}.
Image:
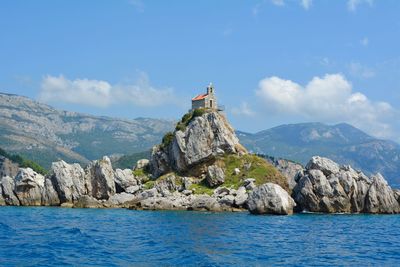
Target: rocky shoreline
{"x":202,"y":166}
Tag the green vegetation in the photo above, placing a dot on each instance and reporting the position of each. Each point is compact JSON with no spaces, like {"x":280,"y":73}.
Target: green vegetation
{"x":250,"y":166}
{"x":128,"y":161}
{"x":139,"y":172}
{"x":149,"y":185}
{"x":201,"y":188}
{"x":24,"y":163}
{"x":188,"y":117}
{"x":167,"y":139}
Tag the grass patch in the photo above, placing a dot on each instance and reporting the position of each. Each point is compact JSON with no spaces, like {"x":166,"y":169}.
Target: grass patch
{"x":149,"y":185}
{"x":201,"y":188}
{"x":262,"y":171}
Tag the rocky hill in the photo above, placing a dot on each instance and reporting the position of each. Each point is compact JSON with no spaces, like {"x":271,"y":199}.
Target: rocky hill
{"x":44,"y":134}
{"x":342,"y":142}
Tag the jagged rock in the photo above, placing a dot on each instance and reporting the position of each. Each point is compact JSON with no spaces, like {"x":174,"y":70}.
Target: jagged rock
{"x":203,"y":139}
{"x":29,"y":186}
{"x":325,"y":165}
{"x":227,"y":200}
{"x":100,"y":175}
{"x":249,"y":183}
{"x":288,"y":169}
{"x":221,"y":191}
{"x":187,"y":192}
{"x":8,"y":185}
{"x":68,"y":180}
{"x":133,"y":189}
{"x":215,"y":176}
{"x":148,"y":194}
{"x":124,"y":179}
{"x":166,"y":185}
{"x":380,"y":197}
{"x":7,"y":167}
{"x":88,"y":202}
{"x":49,"y":195}
{"x":241,"y":196}
{"x":142,"y":163}
{"x":327,"y":187}
{"x":174,"y":201}
{"x":186,"y":184}
{"x":270,"y":198}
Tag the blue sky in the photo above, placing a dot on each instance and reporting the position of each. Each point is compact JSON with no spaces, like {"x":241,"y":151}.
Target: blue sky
{"x":272,"y":62}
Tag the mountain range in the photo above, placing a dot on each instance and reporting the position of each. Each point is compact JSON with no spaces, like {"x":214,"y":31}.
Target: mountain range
{"x":44,"y":134}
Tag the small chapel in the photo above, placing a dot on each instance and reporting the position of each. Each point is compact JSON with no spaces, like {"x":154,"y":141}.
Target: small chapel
{"x":207,"y":100}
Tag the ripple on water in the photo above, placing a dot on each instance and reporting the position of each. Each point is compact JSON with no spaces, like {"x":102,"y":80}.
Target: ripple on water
{"x":55,"y":236}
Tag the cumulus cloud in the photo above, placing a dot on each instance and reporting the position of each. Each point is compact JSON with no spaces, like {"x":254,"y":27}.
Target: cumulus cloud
{"x":99,"y":93}
{"x":243,"y":110}
{"x":329,"y":99}
{"x":353,"y":4}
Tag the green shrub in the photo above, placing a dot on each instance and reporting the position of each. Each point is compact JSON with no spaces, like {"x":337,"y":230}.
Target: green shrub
{"x":180,"y":127}
{"x":167,"y":139}
{"x":198,"y":112}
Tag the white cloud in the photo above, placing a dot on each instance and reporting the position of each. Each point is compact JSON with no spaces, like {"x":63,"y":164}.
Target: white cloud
{"x":364,"y":41}
{"x":278,"y":2}
{"x":353,"y":4}
{"x":138,"y":5}
{"x":327,"y":99}
{"x":243,"y":110}
{"x":360,"y":71}
{"x":99,"y":93}
{"x":306,"y":4}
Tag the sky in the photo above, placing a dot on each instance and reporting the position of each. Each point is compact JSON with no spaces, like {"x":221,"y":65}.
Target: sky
{"x":271,"y":62}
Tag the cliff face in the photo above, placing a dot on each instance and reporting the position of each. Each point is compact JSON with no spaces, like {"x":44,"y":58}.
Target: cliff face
{"x":202,"y":140}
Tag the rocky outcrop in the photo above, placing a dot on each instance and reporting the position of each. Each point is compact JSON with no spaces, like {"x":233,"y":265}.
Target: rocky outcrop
{"x":100,"y":177}
{"x":204,"y":138}
{"x":69,"y":181}
{"x":7,"y":186}
{"x":288,"y":168}
{"x":124,"y":180}
{"x":29,"y":187}
{"x":326,"y":187}
{"x":7,"y":167}
{"x":270,"y":199}
{"x":215,"y":176}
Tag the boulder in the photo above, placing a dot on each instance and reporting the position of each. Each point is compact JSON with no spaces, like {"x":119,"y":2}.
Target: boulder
{"x":8,"y":186}
{"x":100,"y":175}
{"x":288,"y":169}
{"x":215,"y":176}
{"x":204,"y":203}
{"x":121,"y":200}
{"x":236,"y":171}
{"x":142,"y":164}
{"x":68,"y":180}
{"x":124,"y":179}
{"x":241,"y":197}
{"x":49,"y":195}
{"x":166,"y":185}
{"x":270,"y":199}
{"x":29,"y":186}
{"x":249,"y":183}
{"x":325,"y":165}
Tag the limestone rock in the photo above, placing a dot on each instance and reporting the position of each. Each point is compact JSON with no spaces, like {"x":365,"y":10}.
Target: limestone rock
{"x":88,"y":202}
{"x":288,"y":169}
{"x":121,"y":200}
{"x":7,"y":167}
{"x":215,"y":176}
{"x":142,"y":163}
{"x":7,"y":186}
{"x":29,"y":186}
{"x":241,"y":197}
{"x":124,"y":179}
{"x":327,"y":187}
{"x":249,"y":183}
{"x":68,"y":180}
{"x":100,"y":175}
{"x":166,"y":186}
{"x":270,"y":199}
{"x":203,"y":139}
{"x":380,"y":197}
{"x":204,"y":203}
{"x":2,"y":201}
{"x":49,"y":194}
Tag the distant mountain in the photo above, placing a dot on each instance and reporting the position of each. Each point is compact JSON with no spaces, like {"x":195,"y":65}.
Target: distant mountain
{"x":44,"y":134}
{"x":342,"y":143}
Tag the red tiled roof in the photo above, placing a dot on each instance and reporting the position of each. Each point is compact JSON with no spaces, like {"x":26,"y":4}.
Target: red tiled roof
{"x":199,"y":97}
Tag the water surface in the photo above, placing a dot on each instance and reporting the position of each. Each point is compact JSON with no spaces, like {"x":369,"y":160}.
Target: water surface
{"x":117,"y":237}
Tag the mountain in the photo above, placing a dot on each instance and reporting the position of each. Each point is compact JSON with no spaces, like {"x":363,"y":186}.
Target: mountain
{"x":343,"y":143}
{"x":44,"y":134}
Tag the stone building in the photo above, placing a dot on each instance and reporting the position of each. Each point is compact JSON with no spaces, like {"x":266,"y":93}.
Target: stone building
{"x":207,"y":100}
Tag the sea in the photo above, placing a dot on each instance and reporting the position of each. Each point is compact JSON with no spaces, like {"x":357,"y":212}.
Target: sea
{"x":45,"y":236}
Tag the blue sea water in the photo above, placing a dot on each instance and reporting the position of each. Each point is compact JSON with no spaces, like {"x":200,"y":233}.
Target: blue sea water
{"x":118,"y":237}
